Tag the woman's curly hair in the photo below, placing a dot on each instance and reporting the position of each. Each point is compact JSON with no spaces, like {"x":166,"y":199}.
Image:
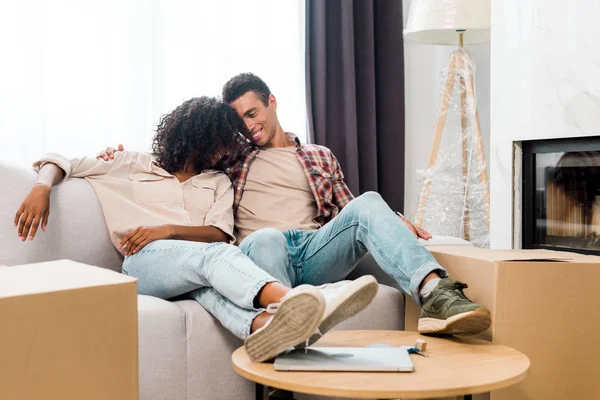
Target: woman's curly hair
{"x":201,"y":130}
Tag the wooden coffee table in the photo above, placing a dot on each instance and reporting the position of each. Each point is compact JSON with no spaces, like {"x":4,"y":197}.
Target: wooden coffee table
{"x":455,"y":367}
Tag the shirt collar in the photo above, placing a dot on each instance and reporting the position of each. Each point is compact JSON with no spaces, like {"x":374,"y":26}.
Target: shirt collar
{"x":158,"y":170}
{"x":294,"y":139}
{"x":290,"y":136}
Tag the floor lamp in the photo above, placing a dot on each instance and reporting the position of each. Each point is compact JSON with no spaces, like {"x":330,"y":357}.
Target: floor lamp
{"x":456,"y":23}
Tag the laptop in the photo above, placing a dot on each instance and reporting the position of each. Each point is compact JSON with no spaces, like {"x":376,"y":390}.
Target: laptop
{"x":365,"y":359}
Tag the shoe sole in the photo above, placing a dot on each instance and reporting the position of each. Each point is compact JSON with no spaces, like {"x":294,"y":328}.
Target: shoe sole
{"x":471,"y":322}
{"x":357,"y":296}
{"x":296,"y":320}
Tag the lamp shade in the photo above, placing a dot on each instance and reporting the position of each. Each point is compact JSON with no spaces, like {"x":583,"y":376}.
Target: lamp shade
{"x":436,"y":21}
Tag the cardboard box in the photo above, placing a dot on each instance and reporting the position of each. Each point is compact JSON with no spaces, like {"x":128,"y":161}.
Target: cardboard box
{"x":543,"y":303}
{"x":67,"y":331}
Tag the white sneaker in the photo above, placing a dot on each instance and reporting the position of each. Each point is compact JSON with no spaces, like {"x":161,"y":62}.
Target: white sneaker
{"x":343,"y":300}
{"x":294,"y":320}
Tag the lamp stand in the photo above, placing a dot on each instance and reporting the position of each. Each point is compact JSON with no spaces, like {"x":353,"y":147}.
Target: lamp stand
{"x":460,"y":63}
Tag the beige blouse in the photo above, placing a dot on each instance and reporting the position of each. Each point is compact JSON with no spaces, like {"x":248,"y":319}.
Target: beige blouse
{"x":133,"y":191}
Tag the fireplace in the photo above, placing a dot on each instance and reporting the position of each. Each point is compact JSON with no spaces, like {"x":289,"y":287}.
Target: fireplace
{"x":561,"y":195}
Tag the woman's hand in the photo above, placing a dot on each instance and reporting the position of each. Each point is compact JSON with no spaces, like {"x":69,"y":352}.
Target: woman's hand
{"x":135,"y":240}
{"x":34,"y":209}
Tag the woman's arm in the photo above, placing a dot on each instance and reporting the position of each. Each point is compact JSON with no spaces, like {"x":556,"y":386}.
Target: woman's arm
{"x":36,"y":206}
{"x":82,"y":167}
{"x":135,"y":240}
{"x":51,"y":168}
{"x":199,"y":233}
{"x":218,"y":224}
{"x":50,"y":174}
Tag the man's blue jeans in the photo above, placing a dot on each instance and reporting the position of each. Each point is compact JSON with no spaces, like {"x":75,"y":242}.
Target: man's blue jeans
{"x":366,"y":224}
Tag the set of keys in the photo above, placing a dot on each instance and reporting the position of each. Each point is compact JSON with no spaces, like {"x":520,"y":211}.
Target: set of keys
{"x":414,"y":350}
{"x":418,"y":348}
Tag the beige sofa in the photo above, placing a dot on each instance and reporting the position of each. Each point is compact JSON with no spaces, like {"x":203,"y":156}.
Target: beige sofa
{"x":184,"y":352}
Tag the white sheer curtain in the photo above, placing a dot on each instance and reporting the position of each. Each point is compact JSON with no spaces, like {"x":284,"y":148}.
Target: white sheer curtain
{"x":78,"y":75}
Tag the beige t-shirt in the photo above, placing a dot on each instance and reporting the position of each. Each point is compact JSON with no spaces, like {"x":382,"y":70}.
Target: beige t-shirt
{"x":277,"y":194}
{"x":133,"y":191}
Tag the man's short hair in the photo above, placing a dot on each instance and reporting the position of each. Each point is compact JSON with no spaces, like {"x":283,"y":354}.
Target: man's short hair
{"x":241,"y":84}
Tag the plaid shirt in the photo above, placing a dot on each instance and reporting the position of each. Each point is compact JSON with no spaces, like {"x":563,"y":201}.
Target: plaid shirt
{"x":325,"y":177}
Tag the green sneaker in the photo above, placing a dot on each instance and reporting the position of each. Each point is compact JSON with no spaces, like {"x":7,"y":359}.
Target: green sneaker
{"x":446,"y":310}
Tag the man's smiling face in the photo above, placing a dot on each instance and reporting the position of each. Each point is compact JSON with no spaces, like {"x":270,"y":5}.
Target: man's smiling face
{"x":261,"y":120}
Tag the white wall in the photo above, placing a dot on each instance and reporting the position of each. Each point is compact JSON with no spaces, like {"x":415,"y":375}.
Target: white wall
{"x":423,"y":66}
{"x":545,"y":84}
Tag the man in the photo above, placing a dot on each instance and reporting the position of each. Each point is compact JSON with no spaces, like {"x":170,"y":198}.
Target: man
{"x":317,"y":231}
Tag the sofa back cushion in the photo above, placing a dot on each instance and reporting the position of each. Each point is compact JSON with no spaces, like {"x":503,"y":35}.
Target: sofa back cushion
{"x":76,"y":228}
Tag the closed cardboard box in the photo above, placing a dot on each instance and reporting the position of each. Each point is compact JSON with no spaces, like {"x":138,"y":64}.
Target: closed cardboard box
{"x":67,"y":331}
{"x":543,"y":303}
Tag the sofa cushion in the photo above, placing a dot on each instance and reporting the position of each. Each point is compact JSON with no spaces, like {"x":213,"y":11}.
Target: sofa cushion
{"x":209,"y":350}
{"x":162,"y":348}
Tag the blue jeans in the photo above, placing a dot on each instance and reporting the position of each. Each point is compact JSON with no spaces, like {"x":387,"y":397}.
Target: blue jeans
{"x":217,"y":275}
{"x":329,"y":254}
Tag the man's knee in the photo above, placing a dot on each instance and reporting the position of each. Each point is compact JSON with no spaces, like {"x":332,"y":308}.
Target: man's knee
{"x":368,"y":201}
{"x":268,"y":249}
{"x":264,"y":240}
{"x":370,"y":197}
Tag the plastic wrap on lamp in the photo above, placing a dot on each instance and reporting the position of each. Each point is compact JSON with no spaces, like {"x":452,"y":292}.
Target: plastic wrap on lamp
{"x":436,"y":21}
{"x":453,"y":199}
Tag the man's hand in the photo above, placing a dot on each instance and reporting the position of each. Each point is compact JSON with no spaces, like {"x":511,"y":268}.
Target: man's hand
{"x":109,"y":153}
{"x":417,"y":231}
{"x":135,"y":240}
{"x":34,"y":209}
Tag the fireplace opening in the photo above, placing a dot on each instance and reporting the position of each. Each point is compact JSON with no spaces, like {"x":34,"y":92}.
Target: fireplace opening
{"x":561,"y":195}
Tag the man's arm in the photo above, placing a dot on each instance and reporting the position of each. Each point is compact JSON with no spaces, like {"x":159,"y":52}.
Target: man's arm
{"x":416,"y":230}
{"x":109,"y":152}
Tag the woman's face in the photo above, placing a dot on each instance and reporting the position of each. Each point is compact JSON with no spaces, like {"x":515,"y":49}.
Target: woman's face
{"x":219,"y":156}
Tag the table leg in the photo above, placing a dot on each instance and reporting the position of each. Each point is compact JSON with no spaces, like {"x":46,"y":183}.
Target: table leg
{"x":260,"y":392}
{"x":468,"y":397}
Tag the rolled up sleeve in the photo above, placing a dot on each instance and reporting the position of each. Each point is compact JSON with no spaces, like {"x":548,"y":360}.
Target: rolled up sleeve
{"x":220,"y":214}
{"x":78,"y":167}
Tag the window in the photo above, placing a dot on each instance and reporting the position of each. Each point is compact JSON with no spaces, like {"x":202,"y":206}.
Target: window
{"x":78,"y":76}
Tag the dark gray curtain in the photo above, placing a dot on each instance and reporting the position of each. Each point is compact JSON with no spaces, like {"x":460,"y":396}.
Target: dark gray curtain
{"x":355,"y":90}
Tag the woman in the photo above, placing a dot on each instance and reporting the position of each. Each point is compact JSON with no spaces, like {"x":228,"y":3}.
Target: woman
{"x":170,"y":215}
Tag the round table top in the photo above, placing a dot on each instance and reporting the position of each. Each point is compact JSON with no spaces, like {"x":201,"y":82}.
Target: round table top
{"x":455,"y":366}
